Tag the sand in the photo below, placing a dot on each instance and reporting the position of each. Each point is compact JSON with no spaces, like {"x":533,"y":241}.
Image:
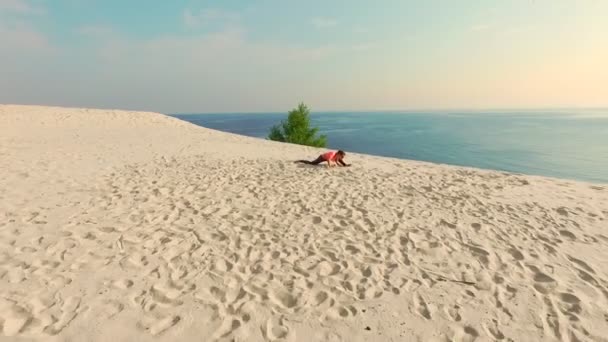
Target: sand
{"x":129,"y":226}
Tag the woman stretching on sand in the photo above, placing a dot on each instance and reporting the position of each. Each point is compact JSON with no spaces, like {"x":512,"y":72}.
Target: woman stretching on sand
{"x":329,"y":157}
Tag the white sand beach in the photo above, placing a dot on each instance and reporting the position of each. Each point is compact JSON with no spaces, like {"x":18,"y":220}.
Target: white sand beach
{"x":130,"y":226}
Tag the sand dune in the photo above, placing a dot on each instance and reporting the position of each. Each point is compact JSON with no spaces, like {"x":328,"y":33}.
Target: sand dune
{"x":127,"y":226}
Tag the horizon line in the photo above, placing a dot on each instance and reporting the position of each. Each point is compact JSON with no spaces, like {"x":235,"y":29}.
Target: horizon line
{"x":418,"y":110}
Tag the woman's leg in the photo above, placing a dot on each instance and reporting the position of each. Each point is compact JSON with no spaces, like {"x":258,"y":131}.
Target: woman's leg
{"x":319,"y":160}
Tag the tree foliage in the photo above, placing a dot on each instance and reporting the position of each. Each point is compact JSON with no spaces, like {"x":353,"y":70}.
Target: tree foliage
{"x":296,"y":129}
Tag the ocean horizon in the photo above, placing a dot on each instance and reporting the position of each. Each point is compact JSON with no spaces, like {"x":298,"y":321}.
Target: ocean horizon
{"x":561,"y":143}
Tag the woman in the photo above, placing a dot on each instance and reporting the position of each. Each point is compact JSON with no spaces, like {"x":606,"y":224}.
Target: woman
{"x":336,"y":157}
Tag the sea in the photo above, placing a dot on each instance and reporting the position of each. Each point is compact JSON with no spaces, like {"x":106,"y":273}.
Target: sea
{"x":569,"y":144}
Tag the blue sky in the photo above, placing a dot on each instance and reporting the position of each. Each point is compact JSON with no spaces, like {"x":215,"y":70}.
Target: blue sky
{"x":210,"y":56}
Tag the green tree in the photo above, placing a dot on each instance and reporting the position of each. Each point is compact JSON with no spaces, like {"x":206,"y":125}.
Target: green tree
{"x":296,"y":129}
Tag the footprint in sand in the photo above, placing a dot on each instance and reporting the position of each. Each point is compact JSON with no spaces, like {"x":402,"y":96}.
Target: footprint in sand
{"x":277,"y":329}
{"x":107,"y":230}
{"x":14,"y":318}
{"x":69,"y":309}
{"x":320,"y":298}
{"x":122,"y":284}
{"x":581,"y":264}
{"x":326,"y":269}
{"x":283,"y":299}
{"x":466,"y":334}
{"x":111,"y":308}
{"x":229,"y":325}
{"x":567,"y":234}
{"x":481,"y":254}
{"x":366,"y":290}
{"x":27,"y":249}
{"x":543,"y":283}
{"x":551,"y":318}
{"x":165,"y":296}
{"x":138,"y":260}
{"x":493,"y":331}
{"x":41,"y":303}
{"x":157,"y":325}
{"x":341,"y":312}
{"x":516,"y":254}
{"x":164,"y":324}
{"x":217,"y":294}
{"x":222,"y":266}
{"x":421,"y":307}
{"x":570,"y":305}
{"x":453,"y":313}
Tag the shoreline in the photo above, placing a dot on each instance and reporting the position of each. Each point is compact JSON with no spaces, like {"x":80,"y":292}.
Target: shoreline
{"x":508,"y":164}
{"x":140,"y":226}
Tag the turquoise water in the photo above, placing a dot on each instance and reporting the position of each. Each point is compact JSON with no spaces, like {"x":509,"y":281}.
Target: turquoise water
{"x":563,"y":144}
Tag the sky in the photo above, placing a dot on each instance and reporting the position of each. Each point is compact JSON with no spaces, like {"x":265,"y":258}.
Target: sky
{"x":188,"y":56}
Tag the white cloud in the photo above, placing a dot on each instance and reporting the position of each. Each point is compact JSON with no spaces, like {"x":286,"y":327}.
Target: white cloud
{"x":17,"y":29}
{"x":211,"y":71}
{"x":228,"y":48}
{"x":16,"y":26}
{"x":216,"y":70}
{"x":22,"y":38}
{"x":321,"y":23}
{"x":19,"y":6}
{"x":192,"y":19}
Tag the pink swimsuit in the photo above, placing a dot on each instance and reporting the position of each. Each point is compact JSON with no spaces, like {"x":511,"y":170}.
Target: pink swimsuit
{"x":329,"y":156}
